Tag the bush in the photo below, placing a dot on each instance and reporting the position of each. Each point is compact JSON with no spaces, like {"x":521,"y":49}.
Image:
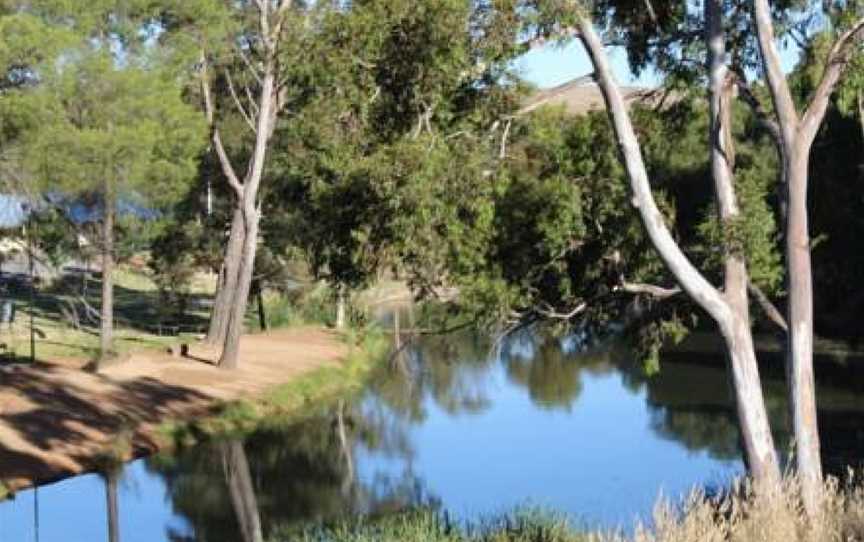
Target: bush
{"x":315,"y":304}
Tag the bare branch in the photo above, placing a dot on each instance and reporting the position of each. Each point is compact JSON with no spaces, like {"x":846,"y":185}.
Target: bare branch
{"x":836,"y":63}
{"x":252,"y":102}
{"x":252,"y":69}
{"x":549,"y":312}
{"x":238,"y":103}
{"x":767,"y":307}
{"x":659,"y":292}
{"x":502,"y":153}
{"x":780,"y":93}
{"x":651,"y":13}
{"x":746,"y":94}
{"x":215,"y":136}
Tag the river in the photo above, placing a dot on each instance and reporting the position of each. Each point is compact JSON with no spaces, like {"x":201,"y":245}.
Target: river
{"x":456,"y":424}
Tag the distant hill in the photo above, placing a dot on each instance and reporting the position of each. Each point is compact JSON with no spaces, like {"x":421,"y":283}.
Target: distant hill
{"x":582,"y":95}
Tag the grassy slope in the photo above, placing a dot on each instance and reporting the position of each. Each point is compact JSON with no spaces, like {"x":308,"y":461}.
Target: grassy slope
{"x":137,"y":317}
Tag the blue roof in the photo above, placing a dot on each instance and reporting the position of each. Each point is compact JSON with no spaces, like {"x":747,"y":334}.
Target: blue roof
{"x":15,"y":210}
{"x":12,"y":211}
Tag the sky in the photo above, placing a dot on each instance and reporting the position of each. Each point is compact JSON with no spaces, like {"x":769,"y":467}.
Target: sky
{"x":553,"y":65}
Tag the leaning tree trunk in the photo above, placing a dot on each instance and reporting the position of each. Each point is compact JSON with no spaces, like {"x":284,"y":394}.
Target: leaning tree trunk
{"x":727,"y":312}
{"x":799,"y":365}
{"x":237,"y":316}
{"x":227,"y":281}
{"x":239,"y":480}
{"x":106,"y":331}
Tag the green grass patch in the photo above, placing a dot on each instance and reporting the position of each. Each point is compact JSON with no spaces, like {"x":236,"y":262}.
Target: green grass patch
{"x":424,"y":525}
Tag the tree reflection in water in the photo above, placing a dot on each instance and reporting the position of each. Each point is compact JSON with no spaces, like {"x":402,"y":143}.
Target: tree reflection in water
{"x":311,"y":471}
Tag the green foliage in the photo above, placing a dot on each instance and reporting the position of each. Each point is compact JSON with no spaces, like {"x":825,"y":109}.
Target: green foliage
{"x":526,"y":525}
{"x":123,"y":131}
{"x":383,"y":150}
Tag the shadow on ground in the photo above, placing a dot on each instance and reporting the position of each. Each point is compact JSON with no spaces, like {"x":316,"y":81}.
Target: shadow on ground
{"x":42,"y":409}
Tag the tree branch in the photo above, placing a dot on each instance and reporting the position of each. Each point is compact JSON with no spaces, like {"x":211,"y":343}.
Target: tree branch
{"x":837,"y":61}
{"x":248,"y":63}
{"x":246,"y":116}
{"x":686,"y":274}
{"x":767,"y":307}
{"x":746,"y":93}
{"x":549,"y":312}
{"x":659,"y":292}
{"x":780,"y":93}
{"x":216,"y":138}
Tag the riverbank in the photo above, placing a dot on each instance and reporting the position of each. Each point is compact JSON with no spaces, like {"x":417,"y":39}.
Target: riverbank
{"x":57,"y":420}
{"x":770,"y":349}
{"x":740,"y":516}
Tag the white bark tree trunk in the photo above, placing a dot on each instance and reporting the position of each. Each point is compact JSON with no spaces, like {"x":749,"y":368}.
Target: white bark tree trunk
{"x":797,"y":135}
{"x":728,"y":313}
{"x":340,"y":307}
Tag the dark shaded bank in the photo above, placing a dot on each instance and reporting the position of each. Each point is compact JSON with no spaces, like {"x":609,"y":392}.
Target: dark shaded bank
{"x":829,"y":355}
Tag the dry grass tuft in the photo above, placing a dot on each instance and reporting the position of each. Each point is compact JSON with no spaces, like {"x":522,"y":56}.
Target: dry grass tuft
{"x":743,"y":515}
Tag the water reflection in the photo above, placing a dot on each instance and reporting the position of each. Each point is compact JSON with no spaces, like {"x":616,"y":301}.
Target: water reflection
{"x":112,"y":477}
{"x":460,"y":423}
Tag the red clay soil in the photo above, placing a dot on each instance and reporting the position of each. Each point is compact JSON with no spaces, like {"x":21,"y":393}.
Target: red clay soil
{"x":56,"y":418}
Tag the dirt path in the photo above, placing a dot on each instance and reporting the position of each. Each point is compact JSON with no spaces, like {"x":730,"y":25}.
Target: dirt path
{"x":54,"y":418}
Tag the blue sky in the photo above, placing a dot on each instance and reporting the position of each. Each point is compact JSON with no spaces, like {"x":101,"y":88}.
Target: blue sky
{"x":553,"y":65}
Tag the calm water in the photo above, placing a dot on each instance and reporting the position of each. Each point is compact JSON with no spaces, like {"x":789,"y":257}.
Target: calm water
{"x":451,"y":424}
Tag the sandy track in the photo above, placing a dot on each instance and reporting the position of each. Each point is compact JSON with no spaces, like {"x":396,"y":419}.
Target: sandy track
{"x":55,"y":418}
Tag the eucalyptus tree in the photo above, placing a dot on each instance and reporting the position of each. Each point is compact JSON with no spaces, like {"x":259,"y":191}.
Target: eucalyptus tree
{"x":797,"y":131}
{"x":675,"y":40}
{"x":245,"y":63}
{"x":393,"y":136}
{"x":729,"y":307}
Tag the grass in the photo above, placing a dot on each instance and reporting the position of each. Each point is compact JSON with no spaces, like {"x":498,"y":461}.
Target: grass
{"x":738,"y":516}
{"x":426,"y":525}
{"x":137,"y":317}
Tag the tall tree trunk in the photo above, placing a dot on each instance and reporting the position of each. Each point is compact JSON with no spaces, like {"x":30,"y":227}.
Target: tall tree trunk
{"x":113,"y":507}
{"x":752,"y":415}
{"x":239,"y":480}
{"x":259,"y":300}
{"x":799,"y":364}
{"x":237,"y":315}
{"x":798,"y":134}
{"x":250,"y":206}
{"x":227,"y":281}
{"x":106,"y":331}
{"x":726,"y":312}
{"x":340,"y":306}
